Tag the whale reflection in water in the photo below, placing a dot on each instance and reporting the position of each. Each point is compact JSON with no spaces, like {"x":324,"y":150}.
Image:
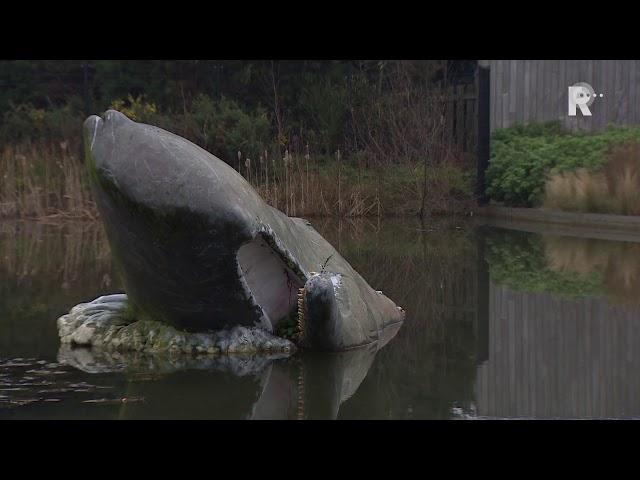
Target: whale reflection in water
{"x":264,"y":387}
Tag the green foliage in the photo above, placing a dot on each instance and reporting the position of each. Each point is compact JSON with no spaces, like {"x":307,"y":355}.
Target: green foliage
{"x":326,"y":105}
{"x":222,"y":126}
{"x":135,"y":108}
{"x":523,"y":156}
{"x":25,"y":122}
{"x":311,"y":98}
{"x":518,"y":260}
{"x":288,"y":326}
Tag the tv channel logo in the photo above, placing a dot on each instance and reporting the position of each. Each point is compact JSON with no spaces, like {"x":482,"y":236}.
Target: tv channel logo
{"x":581,"y":96}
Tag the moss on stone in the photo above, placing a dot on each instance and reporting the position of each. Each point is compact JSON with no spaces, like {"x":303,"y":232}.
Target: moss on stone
{"x":99,"y":324}
{"x":288,"y":326}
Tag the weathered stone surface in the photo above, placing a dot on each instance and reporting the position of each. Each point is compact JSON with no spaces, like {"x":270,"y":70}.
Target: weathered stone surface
{"x":200,"y":250}
{"x":102,"y":324}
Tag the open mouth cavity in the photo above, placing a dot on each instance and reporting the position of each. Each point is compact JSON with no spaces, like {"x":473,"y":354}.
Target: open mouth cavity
{"x":272,"y":283}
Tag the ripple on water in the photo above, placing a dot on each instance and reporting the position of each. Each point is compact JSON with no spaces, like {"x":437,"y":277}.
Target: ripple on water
{"x":28,"y":381}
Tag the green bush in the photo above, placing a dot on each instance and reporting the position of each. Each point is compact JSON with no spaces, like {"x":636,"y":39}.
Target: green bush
{"x":325,"y":104}
{"x":223,"y":128}
{"x":26,"y":122}
{"x":523,"y":156}
{"x":219,"y":126}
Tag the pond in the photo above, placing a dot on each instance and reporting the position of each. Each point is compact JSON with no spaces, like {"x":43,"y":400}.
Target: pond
{"x":501,"y":323}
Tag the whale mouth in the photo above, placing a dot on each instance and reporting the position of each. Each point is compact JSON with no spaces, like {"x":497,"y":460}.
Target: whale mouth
{"x":271,"y":282}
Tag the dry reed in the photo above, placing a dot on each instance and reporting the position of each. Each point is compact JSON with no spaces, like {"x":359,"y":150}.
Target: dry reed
{"x":615,"y":188}
{"x":297,"y":187}
{"x":43,"y":180}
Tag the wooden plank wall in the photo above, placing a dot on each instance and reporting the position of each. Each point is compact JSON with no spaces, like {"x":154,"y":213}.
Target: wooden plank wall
{"x":524,"y":91}
{"x":552,"y":357}
{"x":461,"y":117}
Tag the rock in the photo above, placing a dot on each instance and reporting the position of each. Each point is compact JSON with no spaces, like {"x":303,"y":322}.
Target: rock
{"x":101,"y":324}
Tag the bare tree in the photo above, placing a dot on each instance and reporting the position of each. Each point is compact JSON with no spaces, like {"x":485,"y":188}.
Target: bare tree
{"x":405,"y":122}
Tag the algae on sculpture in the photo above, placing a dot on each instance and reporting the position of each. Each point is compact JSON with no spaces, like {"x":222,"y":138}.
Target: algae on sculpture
{"x":201,"y":251}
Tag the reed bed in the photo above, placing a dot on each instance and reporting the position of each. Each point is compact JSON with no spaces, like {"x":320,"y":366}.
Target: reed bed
{"x":44,"y":180}
{"x":298,"y":186}
{"x":303,"y":185}
{"x":49,"y":180}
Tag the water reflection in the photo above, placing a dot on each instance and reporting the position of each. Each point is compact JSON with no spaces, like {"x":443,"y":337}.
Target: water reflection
{"x":43,"y":270}
{"x":616,"y":264}
{"x":563,"y":325}
{"x":135,"y":386}
{"x":554,"y":357}
{"x":500,"y":324}
{"x":422,"y":373}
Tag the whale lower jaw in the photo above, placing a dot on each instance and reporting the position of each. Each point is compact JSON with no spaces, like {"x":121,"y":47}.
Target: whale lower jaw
{"x":103,"y":324}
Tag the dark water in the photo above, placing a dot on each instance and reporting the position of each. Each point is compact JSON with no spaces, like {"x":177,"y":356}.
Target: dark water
{"x":500,"y":324}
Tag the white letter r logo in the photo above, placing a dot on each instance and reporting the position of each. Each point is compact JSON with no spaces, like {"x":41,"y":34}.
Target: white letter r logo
{"x":581,"y":95}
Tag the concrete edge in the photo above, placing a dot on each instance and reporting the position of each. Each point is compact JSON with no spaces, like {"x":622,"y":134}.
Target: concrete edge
{"x":587,"y":225}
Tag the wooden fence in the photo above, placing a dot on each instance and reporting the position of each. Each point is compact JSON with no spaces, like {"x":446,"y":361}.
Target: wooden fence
{"x":524,"y":91}
{"x":461,"y":117}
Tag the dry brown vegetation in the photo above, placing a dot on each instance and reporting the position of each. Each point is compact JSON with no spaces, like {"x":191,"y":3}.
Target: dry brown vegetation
{"x":314,"y":186}
{"x":49,"y":180}
{"x":44,"y":180}
{"x":614,"y":188}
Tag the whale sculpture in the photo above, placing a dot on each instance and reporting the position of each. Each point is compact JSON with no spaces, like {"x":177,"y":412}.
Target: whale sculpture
{"x":200,"y":251}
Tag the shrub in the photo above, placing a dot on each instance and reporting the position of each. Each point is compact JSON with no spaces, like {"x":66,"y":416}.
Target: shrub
{"x":523,"y":156}
{"x":136,"y":108}
{"x":26,"y":122}
{"x":219,"y":126}
{"x":325,"y":104}
{"x":225,"y":129}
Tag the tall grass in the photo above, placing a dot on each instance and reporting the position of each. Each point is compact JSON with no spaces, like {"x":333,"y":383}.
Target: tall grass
{"x":614,"y":188}
{"x":298,"y":185}
{"x":48,"y":179}
{"x":44,"y":180}
{"x":306,"y":185}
